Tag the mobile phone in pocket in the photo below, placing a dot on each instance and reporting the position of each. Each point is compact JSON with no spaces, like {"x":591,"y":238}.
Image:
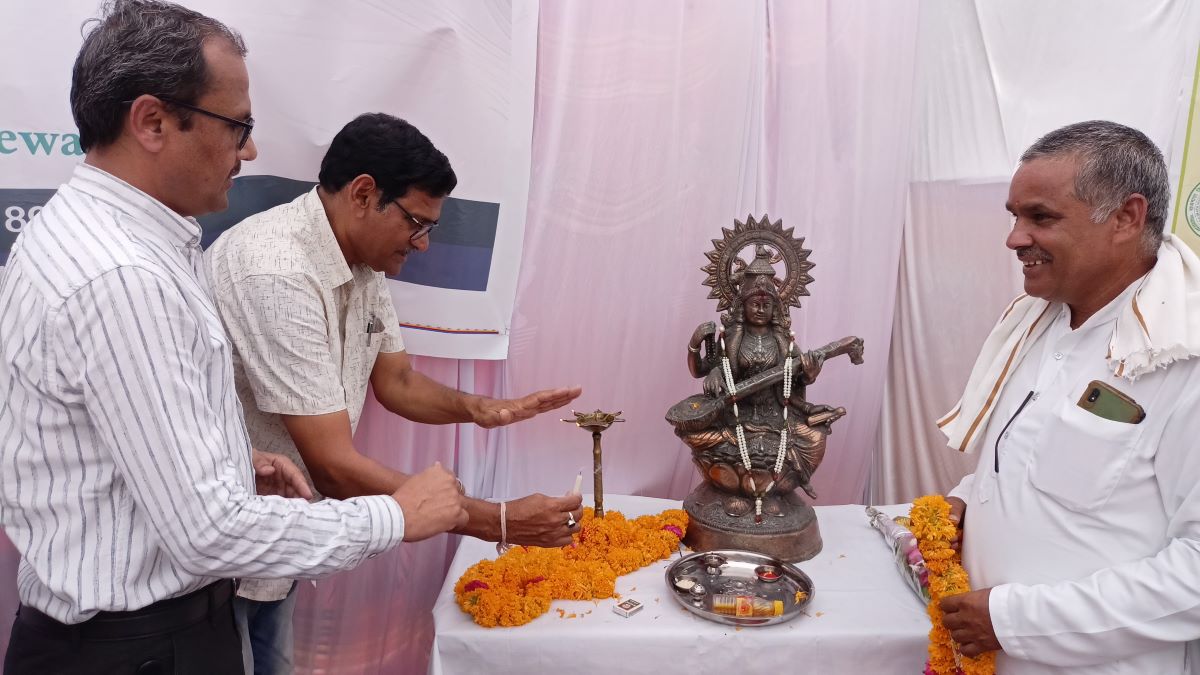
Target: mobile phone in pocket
{"x":1104,"y":401}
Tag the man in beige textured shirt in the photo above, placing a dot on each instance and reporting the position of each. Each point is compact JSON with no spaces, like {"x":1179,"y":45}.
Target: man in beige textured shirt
{"x":302,"y":292}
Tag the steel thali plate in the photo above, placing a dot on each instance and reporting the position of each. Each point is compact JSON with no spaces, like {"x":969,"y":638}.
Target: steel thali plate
{"x":695,"y":581}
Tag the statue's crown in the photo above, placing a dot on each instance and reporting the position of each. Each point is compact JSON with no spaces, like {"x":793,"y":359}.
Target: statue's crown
{"x":759,"y":277}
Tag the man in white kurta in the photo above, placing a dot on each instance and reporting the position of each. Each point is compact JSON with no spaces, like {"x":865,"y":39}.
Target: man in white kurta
{"x":1084,"y":532}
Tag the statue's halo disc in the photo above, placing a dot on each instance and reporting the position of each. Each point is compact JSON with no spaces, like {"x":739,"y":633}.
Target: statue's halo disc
{"x":724,"y":264}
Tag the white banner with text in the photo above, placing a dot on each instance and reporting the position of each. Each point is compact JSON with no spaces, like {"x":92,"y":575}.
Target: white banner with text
{"x":462,"y":71}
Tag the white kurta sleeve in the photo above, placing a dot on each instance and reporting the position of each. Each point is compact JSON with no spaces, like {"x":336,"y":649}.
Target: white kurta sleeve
{"x":963,"y":488}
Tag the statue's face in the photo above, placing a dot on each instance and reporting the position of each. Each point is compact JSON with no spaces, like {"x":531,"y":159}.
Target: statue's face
{"x":759,"y":310}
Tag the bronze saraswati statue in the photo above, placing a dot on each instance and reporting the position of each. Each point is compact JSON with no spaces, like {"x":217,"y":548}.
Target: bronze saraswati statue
{"x":754,"y":436}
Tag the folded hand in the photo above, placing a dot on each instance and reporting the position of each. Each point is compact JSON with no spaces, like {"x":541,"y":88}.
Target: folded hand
{"x":969,"y":620}
{"x":538,"y":520}
{"x":277,"y":475}
{"x":432,"y":503}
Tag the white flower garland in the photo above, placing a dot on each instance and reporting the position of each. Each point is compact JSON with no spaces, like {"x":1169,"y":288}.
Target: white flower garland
{"x":741,"y":433}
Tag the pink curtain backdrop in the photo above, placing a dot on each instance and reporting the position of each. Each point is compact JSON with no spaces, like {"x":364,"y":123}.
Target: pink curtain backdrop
{"x":655,"y":127}
{"x":752,"y":109}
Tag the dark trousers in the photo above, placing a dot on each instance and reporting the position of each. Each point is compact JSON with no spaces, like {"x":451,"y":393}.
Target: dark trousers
{"x":190,"y":635}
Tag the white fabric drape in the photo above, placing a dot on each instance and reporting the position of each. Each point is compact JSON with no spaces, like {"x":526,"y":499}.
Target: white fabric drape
{"x":992,"y":78}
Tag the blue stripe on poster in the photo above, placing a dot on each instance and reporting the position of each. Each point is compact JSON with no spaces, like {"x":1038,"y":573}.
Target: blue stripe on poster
{"x":460,"y":252}
{"x":459,"y":256}
{"x":251,"y":195}
{"x":448,"y":266}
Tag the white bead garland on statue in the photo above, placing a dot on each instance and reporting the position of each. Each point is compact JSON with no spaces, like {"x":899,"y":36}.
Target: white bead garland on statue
{"x":741,"y":434}
{"x":787,"y":396}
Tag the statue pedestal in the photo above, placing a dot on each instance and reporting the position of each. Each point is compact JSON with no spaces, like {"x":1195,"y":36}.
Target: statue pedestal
{"x":792,"y":535}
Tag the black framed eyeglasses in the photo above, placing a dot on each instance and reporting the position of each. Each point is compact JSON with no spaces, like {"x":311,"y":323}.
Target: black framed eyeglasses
{"x":424,"y":227}
{"x":246,"y":126}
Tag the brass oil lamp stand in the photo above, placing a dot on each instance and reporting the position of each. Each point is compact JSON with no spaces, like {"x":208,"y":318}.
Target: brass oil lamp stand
{"x":596,"y":422}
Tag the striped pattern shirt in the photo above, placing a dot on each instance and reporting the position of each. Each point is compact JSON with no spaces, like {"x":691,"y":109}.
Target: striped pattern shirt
{"x":125,"y":473}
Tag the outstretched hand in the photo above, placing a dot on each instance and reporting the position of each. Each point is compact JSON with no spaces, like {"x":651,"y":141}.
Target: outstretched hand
{"x":495,"y":412}
{"x":277,"y":475}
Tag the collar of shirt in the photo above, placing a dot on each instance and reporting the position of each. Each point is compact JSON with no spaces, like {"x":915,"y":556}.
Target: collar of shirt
{"x":148,"y":217}
{"x":1104,"y":317}
{"x":1060,"y":341}
{"x":1109,"y":312}
{"x":330,"y":261}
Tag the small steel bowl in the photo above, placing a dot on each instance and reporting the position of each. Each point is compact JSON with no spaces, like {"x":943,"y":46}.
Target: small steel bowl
{"x":713,"y":562}
{"x":768,"y":573}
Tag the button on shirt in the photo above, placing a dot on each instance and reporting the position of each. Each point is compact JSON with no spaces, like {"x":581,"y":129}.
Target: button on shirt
{"x":1090,"y":529}
{"x":306,"y":326}
{"x":125,"y":473}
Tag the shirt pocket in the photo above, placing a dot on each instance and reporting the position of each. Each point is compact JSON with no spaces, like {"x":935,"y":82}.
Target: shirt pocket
{"x":1082,"y":457}
{"x":359,"y":350}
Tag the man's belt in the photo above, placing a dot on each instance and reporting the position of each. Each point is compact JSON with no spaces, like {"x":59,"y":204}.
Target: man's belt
{"x":164,"y":616}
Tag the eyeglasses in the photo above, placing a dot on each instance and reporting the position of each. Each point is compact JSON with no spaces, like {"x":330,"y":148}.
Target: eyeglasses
{"x":246,"y":126}
{"x":423,"y":227}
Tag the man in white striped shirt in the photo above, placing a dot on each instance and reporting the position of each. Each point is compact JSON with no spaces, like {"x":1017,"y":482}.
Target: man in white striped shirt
{"x":127,"y":479}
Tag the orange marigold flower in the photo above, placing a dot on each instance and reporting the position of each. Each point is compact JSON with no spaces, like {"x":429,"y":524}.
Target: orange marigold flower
{"x":519,"y":586}
{"x":931,"y":525}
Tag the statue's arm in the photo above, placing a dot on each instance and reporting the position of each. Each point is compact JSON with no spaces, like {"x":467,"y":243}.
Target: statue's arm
{"x":701,"y":356}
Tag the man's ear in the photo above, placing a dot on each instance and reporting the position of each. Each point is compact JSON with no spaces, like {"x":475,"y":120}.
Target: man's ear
{"x":147,"y":123}
{"x":1129,"y":220}
{"x":361,"y":191}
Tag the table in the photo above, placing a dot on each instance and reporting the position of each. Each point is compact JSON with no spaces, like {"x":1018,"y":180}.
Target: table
{"x":862,"y":619}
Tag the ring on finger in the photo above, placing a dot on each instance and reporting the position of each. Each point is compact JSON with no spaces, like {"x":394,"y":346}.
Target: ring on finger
{"x":570,"y":520}
{"x":461,"y":489}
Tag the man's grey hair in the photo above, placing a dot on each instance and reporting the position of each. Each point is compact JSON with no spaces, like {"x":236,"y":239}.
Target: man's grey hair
{"x":140,"y":47}
{"x":1115,"y":161}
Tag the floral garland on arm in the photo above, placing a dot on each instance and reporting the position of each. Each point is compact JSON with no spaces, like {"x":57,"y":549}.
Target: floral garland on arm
{"x":931,"y":524}
{"x":517,"y":587}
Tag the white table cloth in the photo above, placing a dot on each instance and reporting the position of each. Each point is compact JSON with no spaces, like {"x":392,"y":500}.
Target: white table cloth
{"x":862,"y":619}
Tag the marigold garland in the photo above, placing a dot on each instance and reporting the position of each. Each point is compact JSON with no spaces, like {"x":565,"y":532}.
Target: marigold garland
{"x":934,"y":530}
{"x":518,"y":587}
